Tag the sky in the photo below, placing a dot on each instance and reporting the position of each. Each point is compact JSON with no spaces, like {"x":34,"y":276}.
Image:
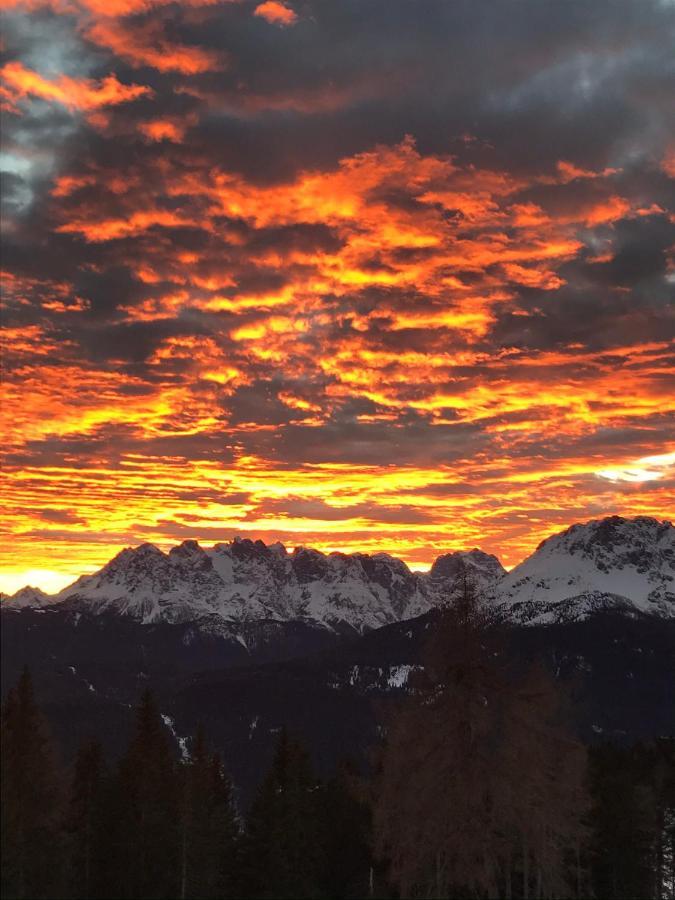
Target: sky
{"x":375,"y":275}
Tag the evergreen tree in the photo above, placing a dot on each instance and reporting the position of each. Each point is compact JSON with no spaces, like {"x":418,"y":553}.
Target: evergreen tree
{"x":86,"y":825}
{"x":282,"y":854}
{"x":32,"y":800}
{"x":620,"y":827}
{"x":346,"y":836}
{"x":149,"y":838}
{"x":209,"y":827}
{"x":662,"y":784}
{"x":633,"y":820}
{"x":541,"y":783}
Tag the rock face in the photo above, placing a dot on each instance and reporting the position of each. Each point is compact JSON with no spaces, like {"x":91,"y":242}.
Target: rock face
{"x":482,"y":568}
{"x":612,"y":563}
{"x":246,"y":582}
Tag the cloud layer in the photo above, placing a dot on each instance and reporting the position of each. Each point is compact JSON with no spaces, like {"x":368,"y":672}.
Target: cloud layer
{"x":374,"y":277}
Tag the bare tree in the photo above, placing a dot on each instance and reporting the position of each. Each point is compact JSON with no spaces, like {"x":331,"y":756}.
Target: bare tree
{"x":481,"y":789}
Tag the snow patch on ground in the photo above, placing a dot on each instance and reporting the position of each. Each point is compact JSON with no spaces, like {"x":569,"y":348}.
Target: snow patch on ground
{"x":399,"y":675}
{"x":181,"y":741}
{"x":88,"y":684}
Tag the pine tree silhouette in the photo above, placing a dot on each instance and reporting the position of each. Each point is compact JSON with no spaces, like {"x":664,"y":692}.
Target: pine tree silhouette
{"x":88,"y":839}
{"x":32,"y":800}
{"x":150,"y":836}
{"x":209,"y":829}
{"x":282,"y":853}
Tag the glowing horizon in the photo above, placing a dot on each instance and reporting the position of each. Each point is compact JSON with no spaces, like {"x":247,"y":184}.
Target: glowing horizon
{"x":275,"y":271}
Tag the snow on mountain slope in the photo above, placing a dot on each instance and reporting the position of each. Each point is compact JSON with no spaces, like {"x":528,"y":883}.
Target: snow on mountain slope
{"x":28,"y":597}
{"x":627,"y":564}
{"x":483,"y":568}
{"x":248,"y":581}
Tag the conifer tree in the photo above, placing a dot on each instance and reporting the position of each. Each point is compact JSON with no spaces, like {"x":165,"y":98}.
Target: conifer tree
{"x":209,"y":828}
{"x":88,"y":840}
{"x":282,"y":853}
{"x":150,"y":833}
{"x":540,"y":782}
{"x":346,"y":836}
{"x":662,"y":783}
{"x":32,"y":800}
{"x":633,"y":820}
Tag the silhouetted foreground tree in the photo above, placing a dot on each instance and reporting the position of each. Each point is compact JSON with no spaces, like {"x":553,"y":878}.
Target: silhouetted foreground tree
{"x":480,"y":794}
{"x":281,"y":853}
{"x":32,"y":800}
{"x":209,"y":829}
{"x":150,"y":835}
{"x":482,"y":789}
{"x":85,"y":824}
{"x":633,"y":820}
{"x":346,"y":836}
{"x":304,"y":838}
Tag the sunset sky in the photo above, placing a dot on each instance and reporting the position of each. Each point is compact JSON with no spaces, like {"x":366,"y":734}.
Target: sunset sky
{"x":358,"y":274}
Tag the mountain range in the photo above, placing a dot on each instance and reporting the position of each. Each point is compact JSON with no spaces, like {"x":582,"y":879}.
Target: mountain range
{"x":244,"y":638}
{"x":614,"y":562}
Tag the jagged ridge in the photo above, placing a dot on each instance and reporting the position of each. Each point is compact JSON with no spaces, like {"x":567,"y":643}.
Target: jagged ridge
{"x":246,"y":581}
{"x":625,"y":564}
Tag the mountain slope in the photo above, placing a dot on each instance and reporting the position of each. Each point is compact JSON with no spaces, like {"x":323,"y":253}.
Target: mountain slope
{"x":246,"y":581}
{"x":614,"y":563}
{"x":28,"y":598}
{"x":611,"y":563}
{"x":90,"y":671}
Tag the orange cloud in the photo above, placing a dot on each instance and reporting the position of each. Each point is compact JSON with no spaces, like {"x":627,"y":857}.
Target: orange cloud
{"x":146,"y":45}
{"x":163,"y":130}
{"x":111,"y":229}
{"x":106,"y":8}
{"x":607,"y":211}
{"x":86,"y":95}
{"x":330,"y":363}
{"x":276,"y":13}
{"x":567,"y":172}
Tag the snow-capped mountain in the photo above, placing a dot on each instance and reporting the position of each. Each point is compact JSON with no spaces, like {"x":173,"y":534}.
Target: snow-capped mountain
{"x":28,"y":598}
{"x":247,"y":581}
{"x":617,"y":563}
{"x":626,"y":564}
{"x":482,"y":568}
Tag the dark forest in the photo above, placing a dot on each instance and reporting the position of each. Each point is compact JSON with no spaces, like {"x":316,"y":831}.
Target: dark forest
{"x":478,"y":788}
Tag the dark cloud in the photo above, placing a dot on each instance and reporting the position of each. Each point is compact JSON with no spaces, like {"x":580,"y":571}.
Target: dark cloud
{"x":405,"y":263}
{"x":62,"y":516}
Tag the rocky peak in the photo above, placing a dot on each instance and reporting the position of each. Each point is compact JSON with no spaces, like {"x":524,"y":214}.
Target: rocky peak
{"x":245,"y":548}
{"x":27,"y":597}
{"x":483,"y":568}
{"x":134,"y":558}
{"x":187,"y":549}
{"x":630,"y":560}
{"x":308,"y":564}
